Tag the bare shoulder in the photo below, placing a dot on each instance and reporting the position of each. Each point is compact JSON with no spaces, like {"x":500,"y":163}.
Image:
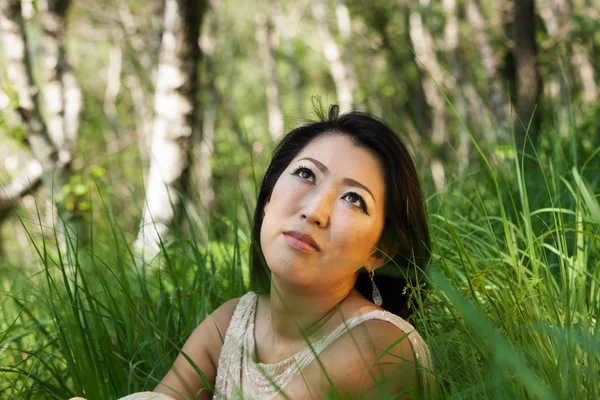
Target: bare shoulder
{"x":372,"y":356}
{"x":221,"y":317}
{"x":213,"y":328}
{"x":385,"y":339}
{"x":377,"y":340}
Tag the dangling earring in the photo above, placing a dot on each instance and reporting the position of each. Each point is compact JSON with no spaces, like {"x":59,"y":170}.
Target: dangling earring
{"x":377,"y":299}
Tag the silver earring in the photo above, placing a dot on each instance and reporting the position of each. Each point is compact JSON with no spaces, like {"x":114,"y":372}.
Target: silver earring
{"x":377,"y":299}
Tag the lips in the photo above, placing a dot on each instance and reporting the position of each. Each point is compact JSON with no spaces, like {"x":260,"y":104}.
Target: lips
{"x":301,"y":241}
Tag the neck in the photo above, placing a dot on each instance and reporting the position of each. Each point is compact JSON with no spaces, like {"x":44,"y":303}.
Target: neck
{"x":297,"y":313}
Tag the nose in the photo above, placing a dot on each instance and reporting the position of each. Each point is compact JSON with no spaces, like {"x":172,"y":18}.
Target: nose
{"x":317,"y":208}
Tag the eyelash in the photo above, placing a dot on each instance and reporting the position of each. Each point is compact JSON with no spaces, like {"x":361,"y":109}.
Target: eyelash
{"x":363,"y":204}
{"x":303,"y":168}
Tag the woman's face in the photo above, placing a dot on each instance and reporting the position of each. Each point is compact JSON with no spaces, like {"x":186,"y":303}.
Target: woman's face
{"x":325,"y":214}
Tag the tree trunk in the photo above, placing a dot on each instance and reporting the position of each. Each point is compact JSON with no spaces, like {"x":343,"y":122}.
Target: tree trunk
{"x":344,"y":86}
{"x":175,"y":114}
{"x":204,"y":194}
{"x":344,"y":24}
{"x":18,"y":70}
{"x":416,"y":105}
{"x":498,"y":99}
{"x":585,"y":70}
{"x":25,"y":182}
{"x":143,"y":110}
{"x":113,"y":87}
{"x":63,"y":103}
{"x":451,"y":40}
{"x":264,"y":39}
{"x":140,"y":68}
{"x":52,"y":147}
{"x":555,"y":15}
{"x":528,"y":77}
{"x":433,"y":75}
{"x":581,"y":56}
{"x":287,"y":36}
{"x":205,"y":149}
{"x":62,"y":96}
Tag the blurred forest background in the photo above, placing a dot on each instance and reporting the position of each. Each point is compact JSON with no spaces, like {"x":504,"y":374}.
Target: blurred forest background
{"x":127,"y":127}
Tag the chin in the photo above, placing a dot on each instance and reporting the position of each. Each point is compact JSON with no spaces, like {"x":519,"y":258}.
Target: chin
{"x":292,"y":272}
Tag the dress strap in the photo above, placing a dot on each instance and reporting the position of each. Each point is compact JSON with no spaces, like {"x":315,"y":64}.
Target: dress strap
{"x":147,"y":396}
{"x":229,"y":371}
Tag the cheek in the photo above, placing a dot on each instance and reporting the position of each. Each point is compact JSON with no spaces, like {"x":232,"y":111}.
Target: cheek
{"x":267,"y":234}
{"x":266,"y":227}
{"x":369,"y":236}
{"x":355,"y":237}
{"x":278,"y":196}
{"x":285,"y":200}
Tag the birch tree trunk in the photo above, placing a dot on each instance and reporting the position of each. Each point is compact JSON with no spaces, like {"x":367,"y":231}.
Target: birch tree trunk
{"x":344,"y":24}
{"x":53,"y":142}
{"x":344,"y":86}
{"x":426,"y":58}
{"x":555,"y":15}
{"x":417,"y":108}
{"x":205,"y":149}
{"x":175,"y":114}
{"x":585,"y":70}
{"x":113,"y":87}
{"x":581,"y":55}
{"x":63,"y":103}
{"x":139,"y":68}
{"x":451,"y":40}
{"x":62,"y":96}
{"x":18,"y":70}
{"x":286,"y":35}
{"x":26,"y":181}
{"x":264,"y":39}
{"x":143,"y":109}
{"x":205,"y":195}
{"x":45,"y":167}
{"x":498,"y":99}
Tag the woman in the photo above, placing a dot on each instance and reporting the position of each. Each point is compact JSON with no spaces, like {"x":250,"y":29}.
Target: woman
{"x":341,"y":195}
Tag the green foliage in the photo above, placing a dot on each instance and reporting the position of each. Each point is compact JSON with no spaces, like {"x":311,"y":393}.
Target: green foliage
{"x":15,"y":133}
{"x":75,"y":196}
{"x":586,"y":26}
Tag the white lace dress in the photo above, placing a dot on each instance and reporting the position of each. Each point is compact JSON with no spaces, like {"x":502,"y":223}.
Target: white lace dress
{"x":241,"y":376}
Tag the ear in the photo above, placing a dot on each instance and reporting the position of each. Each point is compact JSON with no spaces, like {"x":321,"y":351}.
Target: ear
{"x":378,"y":259}
{"x":266,"y":207}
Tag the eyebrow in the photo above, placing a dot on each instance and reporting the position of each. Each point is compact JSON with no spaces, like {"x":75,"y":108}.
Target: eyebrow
{"x":347,"y":181}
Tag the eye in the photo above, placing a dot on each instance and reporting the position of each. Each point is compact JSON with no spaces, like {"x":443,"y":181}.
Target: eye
{"x":305,"y":174}
{"x":357,"y":201}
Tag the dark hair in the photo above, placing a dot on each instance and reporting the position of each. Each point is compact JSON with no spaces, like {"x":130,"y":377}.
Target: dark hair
{"x":405,"y":236}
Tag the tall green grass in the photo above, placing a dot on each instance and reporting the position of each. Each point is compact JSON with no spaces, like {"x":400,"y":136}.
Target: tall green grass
{"x":516,"y":270}
{"x":112,"y":324}
{"x":511,"y":311}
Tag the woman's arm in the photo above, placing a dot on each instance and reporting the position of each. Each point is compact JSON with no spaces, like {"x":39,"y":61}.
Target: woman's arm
{"x":203,"y":348}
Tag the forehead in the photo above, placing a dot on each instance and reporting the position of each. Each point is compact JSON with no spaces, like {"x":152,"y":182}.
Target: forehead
{"x":343,"y":157}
